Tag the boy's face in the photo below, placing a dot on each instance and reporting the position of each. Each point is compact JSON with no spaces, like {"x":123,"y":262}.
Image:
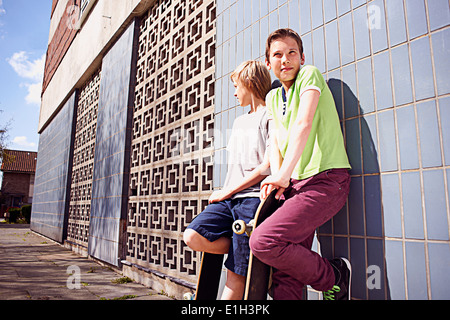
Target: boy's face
{"x":243,"y":95}
{"x":285,"y":60}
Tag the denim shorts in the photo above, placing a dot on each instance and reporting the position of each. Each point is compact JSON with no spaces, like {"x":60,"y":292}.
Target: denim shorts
{"x":216,"y":221}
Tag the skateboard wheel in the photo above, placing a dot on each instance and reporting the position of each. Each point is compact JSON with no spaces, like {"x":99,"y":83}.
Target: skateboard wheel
{"x":239,"y":226}
{"x":188,"y":296}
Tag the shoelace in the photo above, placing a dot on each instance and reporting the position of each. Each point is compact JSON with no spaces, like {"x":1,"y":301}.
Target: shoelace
{"x":329,"y":295}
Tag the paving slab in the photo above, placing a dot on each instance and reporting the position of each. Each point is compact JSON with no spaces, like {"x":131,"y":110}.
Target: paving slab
{"x":33,"y":267}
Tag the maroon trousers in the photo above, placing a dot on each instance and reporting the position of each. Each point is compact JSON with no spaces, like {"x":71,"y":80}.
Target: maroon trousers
{"x":284,"y":240}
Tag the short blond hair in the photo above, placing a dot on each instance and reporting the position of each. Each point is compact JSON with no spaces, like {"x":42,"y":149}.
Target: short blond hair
{"x":255,"y":76}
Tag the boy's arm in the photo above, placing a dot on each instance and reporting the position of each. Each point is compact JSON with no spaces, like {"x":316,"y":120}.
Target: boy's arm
{"x":257,"y":175}
{"x":275,"y":156}
{"x":275,"y":159}
{"x":297,"y":141}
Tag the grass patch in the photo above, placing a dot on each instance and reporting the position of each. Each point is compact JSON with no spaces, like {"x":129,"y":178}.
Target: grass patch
{"x":91,"y":270}
{"x":122,"y":280}
{"x":125,"y":297}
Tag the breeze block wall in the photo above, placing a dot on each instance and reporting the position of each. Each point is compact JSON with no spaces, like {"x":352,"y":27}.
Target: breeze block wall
{"x":172,"y":142}
{"x":83,"y":162}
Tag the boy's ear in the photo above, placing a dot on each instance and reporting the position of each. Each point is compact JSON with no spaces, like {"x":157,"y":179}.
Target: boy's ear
{"x":302,"y":60}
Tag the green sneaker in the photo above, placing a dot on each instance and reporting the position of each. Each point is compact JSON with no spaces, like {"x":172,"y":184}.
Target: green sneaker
{"x":343,"y":272}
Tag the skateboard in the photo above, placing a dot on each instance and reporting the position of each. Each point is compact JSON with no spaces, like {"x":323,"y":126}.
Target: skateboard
{"x":258,"y":274}
{"x":209,"y":278}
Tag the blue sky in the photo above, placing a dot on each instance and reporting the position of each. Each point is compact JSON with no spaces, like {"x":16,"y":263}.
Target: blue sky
{"x":24,"y":30}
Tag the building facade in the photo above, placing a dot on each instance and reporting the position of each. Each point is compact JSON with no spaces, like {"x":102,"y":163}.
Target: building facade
{"x":137,"y":107}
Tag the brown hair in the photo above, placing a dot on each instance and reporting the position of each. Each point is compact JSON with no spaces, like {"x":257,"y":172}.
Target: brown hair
{"x":283,"y":33}
{"x":255,"y":76}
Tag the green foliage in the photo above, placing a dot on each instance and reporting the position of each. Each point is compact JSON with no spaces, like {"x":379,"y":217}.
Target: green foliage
{"x":26,"y":212}
{"x":122,"y":280}
{"x":14,"y":214}
{"x":19,"y":215}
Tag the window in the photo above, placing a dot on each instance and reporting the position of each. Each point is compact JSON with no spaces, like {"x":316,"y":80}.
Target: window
{"x":85,"y":7}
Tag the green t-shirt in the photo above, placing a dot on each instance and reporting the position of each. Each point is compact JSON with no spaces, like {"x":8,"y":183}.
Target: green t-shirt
{"x":325,"y":147}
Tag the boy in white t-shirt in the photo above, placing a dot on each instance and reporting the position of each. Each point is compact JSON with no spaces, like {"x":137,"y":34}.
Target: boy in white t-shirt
{"x":248,"y":165}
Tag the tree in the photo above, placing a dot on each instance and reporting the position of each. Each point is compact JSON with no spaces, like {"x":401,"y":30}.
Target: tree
{"x":4,"y":140}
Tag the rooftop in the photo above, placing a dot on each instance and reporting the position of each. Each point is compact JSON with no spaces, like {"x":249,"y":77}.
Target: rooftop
{"x":19,"y":161}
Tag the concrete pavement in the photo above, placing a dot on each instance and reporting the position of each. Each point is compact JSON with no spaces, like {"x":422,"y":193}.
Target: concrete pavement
{"x":33,"y":267}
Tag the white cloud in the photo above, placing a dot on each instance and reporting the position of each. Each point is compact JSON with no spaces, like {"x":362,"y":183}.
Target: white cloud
{"x":31,"y":70}
{"x":25,"y":68}
{"x":34,"y":93}
{"x":2,"y":11}
{"x":23,"y":142}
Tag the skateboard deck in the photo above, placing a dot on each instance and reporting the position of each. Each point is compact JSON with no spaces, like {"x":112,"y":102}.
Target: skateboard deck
{"x":258,"y":274}
{"x":209,"y":277}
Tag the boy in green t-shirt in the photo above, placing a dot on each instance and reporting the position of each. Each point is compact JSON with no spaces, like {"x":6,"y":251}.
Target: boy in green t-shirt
{"x":310,"y":170}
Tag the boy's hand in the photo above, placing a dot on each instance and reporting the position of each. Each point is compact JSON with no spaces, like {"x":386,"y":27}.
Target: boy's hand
{"x":218,"y":196}
{"x":271,"y":183}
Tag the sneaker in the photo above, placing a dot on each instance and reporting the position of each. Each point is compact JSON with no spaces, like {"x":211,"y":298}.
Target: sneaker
{"x":341,"y":289}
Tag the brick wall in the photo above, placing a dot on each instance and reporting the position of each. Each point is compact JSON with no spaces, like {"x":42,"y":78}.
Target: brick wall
{"x":61,"y":41}
{"x":54,"y":3}
{"x":16,"y":184}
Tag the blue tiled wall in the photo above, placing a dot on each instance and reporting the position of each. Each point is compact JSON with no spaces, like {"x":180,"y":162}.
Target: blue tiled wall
{"x":53,"y":172}
{"x":387,"y":65}
{"x":112,"y":150}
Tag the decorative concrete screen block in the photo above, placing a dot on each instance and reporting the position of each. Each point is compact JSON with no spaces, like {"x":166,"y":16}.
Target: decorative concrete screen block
{"x":53,"y":172}
{"x":83,"y":162}
{"x":112,"y":149}
{"x":172,"y":146}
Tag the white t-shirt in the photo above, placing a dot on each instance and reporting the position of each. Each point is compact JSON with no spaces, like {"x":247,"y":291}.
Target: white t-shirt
{"x":246,"y":148}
